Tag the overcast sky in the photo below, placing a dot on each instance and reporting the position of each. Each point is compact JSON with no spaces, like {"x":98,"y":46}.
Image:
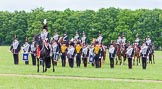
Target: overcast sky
{"x":27,"y":5}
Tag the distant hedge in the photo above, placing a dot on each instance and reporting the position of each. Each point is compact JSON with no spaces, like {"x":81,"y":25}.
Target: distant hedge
{"x":110,"y":21}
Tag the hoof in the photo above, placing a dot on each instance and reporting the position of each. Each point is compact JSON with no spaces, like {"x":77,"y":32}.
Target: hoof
{"x":116,"y":62}
{"x":45,"y":70}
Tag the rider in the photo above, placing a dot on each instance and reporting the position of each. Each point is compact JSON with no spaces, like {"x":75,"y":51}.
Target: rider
{"x":148,"y":41}
{"x":77,"y":37}
{"x":66,"y":38}
{"x":56,"y":37}
{"x":44,"y":34}
{"x":123,"y":39}
{"x":99,"y":38}
{"x":84,"y":38}
{"x":137,"y":41}
{"x":119,"y":40}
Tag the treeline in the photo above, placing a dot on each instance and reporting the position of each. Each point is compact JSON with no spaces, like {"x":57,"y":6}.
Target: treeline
{"x":109,"y":21}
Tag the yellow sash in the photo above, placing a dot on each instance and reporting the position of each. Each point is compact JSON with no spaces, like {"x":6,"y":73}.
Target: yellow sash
{"x":78,"y":48}
{"x":63,"y":49}
{"x":96,"y":49}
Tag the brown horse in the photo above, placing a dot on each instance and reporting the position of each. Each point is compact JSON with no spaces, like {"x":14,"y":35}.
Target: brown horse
{"x":136,"y":55}
{"x":118,"y":54}
{"x":104,"y":54}
{"x":123,"y":52}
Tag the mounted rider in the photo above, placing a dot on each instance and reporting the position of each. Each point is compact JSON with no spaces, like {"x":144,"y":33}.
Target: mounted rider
{"x":148,"y":41}
{"x":84,"y":38}
{"x":99,"y":38}
{"x":45,"y":34}
{"x":45,"y":38}
{"x":66,"y":38}
{"x":123,"y":39}
{"x":77,"y":37}
{"x":56,"y":37}
{"x":137,"y":40}
{"x":119,"y":40}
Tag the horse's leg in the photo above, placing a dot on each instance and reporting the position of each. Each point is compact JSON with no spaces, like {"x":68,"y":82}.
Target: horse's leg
{"x":150,"y":59}
{"x":116,"y":60}
{"x":134,"y":60}
{"x":37,"y":64}
{"x":153,"y":58}
{"x":124,"y":58}
{"x":53,"y":64}
{"x":43,"y":63}
{"x":120,"y":58}
{"x":137,"y":60}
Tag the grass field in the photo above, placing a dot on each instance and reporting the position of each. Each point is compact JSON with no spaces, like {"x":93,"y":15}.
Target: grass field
{"x":153,"y":72}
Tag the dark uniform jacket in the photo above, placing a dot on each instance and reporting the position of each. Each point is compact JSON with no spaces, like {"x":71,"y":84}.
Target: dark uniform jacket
{"x":144,"y":51}
{"x":33,"y":48}
{"x":85,"y":52}
{"x":130,"y":52}
{"x":15,"y":47}
{"x":112,"y":52}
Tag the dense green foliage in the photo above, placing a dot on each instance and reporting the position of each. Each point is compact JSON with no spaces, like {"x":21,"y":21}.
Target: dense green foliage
{"x":110,"y":21}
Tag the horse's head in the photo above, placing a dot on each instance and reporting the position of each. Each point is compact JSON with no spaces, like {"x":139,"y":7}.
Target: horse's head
{"x":117,"y":48}
{"x":60,"y":40}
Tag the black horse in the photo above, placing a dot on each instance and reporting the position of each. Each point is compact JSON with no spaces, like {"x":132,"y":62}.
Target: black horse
{"x":45,"y":50}
{"x":151,"y":54}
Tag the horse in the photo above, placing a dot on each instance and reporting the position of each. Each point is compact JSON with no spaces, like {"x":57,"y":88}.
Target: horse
{"x":118,"y":53}
{"x":44,"y":54}
{"x":151,"y":54}
{"x":136,"y":55}
{"x":123,"y":52}
{"x":104,"y":54}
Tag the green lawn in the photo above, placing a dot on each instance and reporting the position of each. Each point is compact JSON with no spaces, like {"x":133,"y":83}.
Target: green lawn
{"x":39,"y":83}
{"x":153,"y":72}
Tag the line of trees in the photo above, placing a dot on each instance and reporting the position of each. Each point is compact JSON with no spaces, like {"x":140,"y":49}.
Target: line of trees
{"x":109,"y":21}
